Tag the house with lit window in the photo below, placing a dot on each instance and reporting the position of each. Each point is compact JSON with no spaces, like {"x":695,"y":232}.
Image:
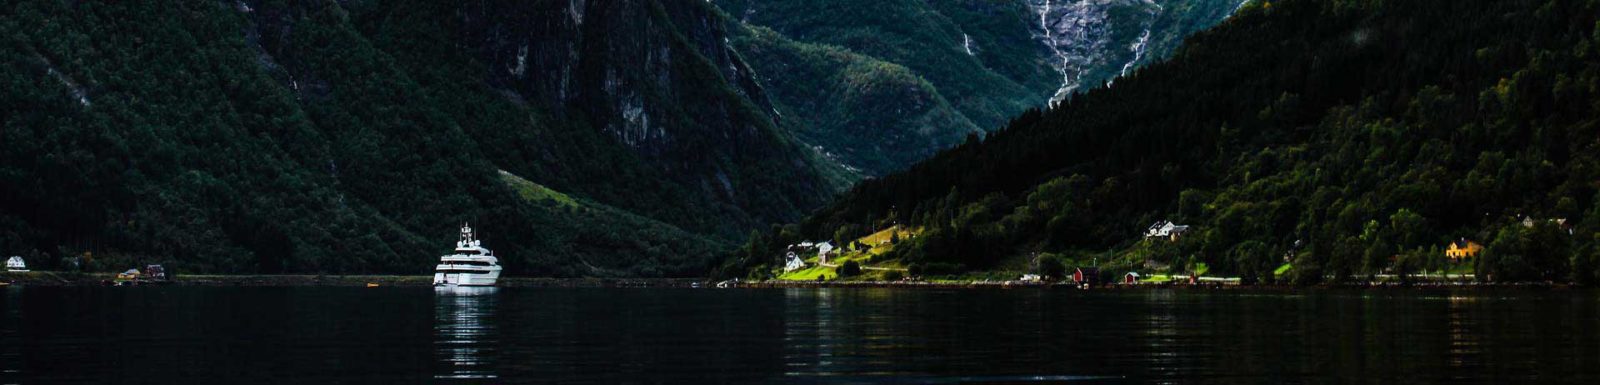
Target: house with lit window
{"x":1462,"y":249}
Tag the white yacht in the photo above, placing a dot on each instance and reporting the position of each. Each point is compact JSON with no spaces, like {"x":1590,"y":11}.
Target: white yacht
{"x":471,"y":265}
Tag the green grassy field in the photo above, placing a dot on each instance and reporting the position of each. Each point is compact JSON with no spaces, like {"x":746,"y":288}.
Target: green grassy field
{"x":809,"y":274}
{"x":875,"y":244}
{"x":536,"y":192}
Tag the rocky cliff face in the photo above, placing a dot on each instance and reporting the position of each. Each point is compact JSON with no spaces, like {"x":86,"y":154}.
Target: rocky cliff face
{"x":657,"y":77}
{"x":1078,"y":35}
{"x":628,"y":64}
{"x":985,"y":61}
{"x":1094,"y":41}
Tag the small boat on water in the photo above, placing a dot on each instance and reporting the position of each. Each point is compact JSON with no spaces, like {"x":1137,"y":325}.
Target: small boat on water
{"x":471,"y":265}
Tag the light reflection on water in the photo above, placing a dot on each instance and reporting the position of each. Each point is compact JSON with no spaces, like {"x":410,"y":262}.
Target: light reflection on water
{"x":465,"y":335}
{"x":207,"y":335}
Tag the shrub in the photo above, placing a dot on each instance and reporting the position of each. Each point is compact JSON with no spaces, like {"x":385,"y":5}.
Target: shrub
{"x":1051,"y":266}
{"x":849,"y":269}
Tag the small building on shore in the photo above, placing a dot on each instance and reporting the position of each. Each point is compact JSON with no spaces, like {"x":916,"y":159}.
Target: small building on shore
{"x":1086,"y":275}
{"x":1130,"y":278}
{"x":793,"y":262}
{"x":824,"y":250}
{"x":15,"y":263}
{"x":1462,"y":249}
{"x":155,"y":273}
{"x":1166,"y":229}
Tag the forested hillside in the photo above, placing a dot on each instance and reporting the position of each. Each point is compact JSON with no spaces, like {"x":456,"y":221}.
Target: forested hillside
{"x":583,"y":138}
{"x":1348,"y":137}
{"x":870,"y":115}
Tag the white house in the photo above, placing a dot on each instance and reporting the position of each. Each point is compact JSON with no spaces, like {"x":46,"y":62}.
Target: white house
{"x":823,"y":250}
{"x":1166,"y":229}
{"x":16,"y":264}
{"x":1559,"y":222}
{"x":793,"y":262}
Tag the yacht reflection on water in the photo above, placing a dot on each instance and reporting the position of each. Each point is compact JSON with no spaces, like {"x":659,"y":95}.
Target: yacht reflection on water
{"x":465,"y":334}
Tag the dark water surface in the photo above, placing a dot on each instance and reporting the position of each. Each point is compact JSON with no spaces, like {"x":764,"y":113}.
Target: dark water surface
{"x":825,"y":336}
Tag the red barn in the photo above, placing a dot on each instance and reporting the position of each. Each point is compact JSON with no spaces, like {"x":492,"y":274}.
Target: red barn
{"x":1086,"y":275}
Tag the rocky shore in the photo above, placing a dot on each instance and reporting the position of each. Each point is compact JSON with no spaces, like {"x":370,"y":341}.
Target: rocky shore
{"x":1071,"y":286}
{"x":44,"y":278}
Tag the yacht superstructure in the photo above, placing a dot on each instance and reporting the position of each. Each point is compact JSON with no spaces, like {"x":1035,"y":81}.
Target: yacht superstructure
{"x":471,"y":265}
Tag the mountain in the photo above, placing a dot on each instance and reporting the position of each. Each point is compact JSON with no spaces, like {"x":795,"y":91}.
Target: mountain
{"x":1345,"y":137}
{"x":585,"y":138}
{"x":870,"y":115}
{"x":879,"y":85}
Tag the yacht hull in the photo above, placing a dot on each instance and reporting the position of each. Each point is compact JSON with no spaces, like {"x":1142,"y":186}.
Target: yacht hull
{"x":466,"y":279}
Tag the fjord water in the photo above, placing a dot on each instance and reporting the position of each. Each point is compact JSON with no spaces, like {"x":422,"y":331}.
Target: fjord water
{"x":538,"y":335}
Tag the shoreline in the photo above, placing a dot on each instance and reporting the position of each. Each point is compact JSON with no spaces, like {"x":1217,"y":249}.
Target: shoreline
{"x":47,"y":278}
{"x":56,"y":279}
{"x":1105,"y":287}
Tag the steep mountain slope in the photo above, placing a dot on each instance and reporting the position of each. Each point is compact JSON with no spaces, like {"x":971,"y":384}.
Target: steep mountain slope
{"x":1351,"y":137}
{"x":987,"y":60}
{"x":1091,"y":42}
{"x":327,"y":137}
{"x":905,"y":32}
{"x":868,"y":114}
{"x":656,"y":77}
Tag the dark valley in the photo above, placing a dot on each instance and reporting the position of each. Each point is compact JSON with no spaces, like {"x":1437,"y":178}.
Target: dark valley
{"x":585,"y":138}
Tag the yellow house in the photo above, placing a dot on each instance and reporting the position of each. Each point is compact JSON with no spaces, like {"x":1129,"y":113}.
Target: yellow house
{"x":1462,"y":249}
